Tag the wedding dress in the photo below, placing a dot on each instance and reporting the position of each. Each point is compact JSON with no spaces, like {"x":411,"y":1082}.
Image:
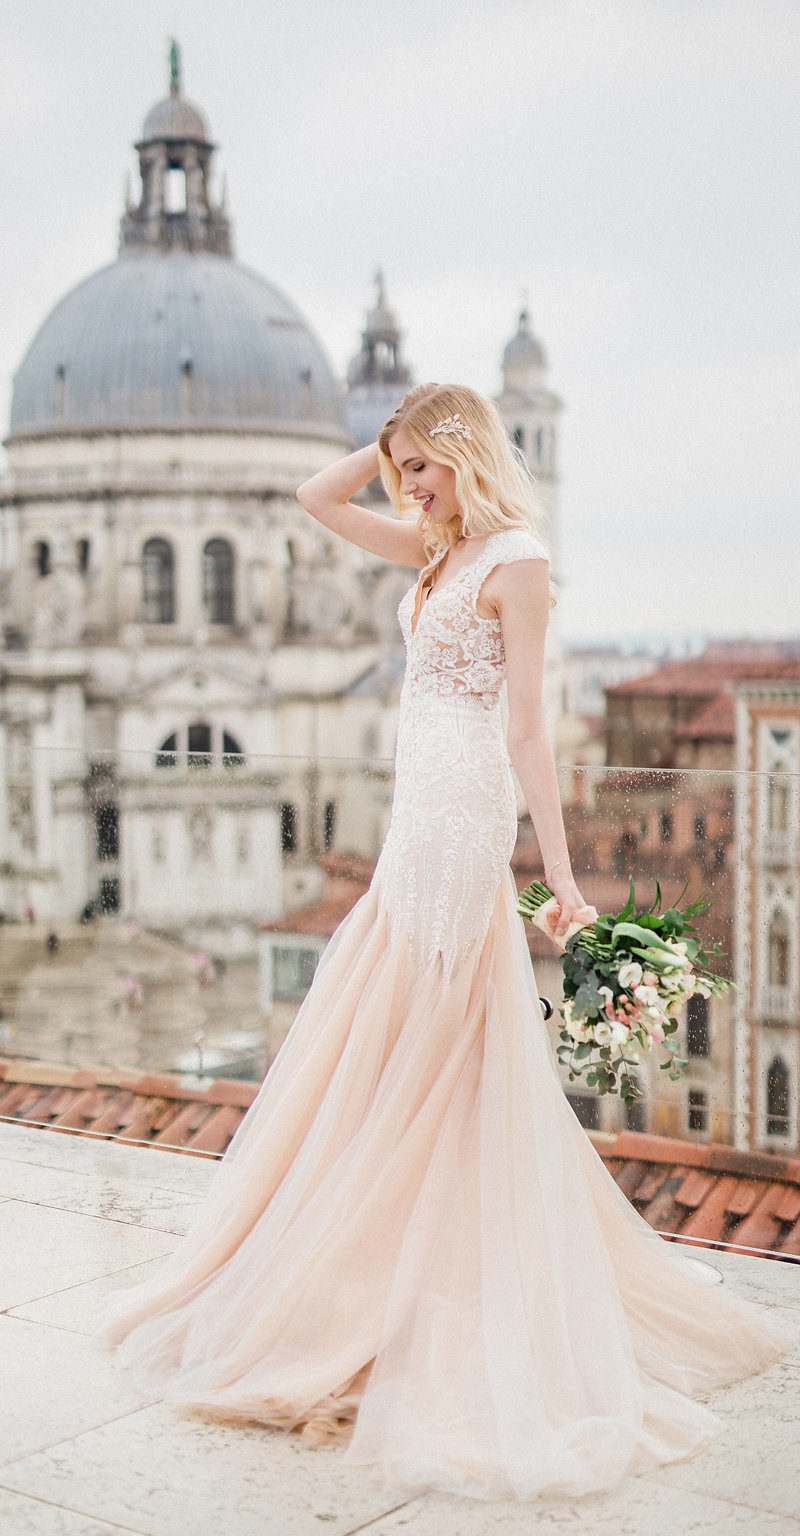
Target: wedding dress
{"x":410,"y":1244}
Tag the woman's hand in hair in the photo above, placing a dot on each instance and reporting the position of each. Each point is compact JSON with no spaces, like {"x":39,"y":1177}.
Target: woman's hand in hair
{"x":326,"y":496}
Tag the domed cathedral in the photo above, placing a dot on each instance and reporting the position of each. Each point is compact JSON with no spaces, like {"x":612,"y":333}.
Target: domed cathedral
{"x":530,"y":411}
{"x":178,"y":635}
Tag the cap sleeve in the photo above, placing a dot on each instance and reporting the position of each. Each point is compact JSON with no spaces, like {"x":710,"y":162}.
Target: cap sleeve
{"x":505,"y":547}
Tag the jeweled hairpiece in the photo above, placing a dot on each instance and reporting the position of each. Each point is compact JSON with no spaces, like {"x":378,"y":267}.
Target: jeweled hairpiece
{"x":451,"y":424}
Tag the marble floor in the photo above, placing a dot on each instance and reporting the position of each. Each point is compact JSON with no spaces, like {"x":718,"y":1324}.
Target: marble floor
{"x":83,"y":1453}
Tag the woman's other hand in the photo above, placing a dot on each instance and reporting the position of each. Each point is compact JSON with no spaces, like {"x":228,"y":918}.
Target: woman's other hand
{"x":573,"y":908}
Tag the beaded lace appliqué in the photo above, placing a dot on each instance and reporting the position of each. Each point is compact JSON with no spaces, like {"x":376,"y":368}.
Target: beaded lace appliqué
{"x":453,"y":820}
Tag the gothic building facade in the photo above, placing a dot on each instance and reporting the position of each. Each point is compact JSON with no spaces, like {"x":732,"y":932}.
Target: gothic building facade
{"x":767,"y":933}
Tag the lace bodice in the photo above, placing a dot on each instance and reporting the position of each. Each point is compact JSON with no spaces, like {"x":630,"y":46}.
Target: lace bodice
{"x":454,"y":816}
{"x":451,"y":649}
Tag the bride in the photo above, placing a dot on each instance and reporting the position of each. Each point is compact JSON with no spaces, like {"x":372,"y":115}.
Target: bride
{"x":410,"y":1245}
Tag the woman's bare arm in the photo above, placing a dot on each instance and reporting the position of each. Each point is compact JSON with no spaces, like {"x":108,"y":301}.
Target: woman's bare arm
{"x":519,"y":592}
{"x":327,"y":497}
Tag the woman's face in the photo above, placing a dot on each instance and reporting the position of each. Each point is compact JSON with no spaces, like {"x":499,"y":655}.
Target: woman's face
{"x":432,"y":485}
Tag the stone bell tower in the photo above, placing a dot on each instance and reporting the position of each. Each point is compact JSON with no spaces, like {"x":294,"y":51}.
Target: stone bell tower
{"x":530,"y":410}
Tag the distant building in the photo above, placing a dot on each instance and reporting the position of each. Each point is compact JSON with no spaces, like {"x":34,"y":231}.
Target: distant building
{"x":767,"y":910}
{"x":378,"y":376}
{"x":198,"y":683}
{"x":177,"y":632}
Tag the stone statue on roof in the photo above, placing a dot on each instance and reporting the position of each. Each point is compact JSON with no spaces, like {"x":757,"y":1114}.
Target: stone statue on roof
{"x":174,"y":67}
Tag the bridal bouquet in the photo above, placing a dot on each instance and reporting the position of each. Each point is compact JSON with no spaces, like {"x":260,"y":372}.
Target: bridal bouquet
{"x":625,"y":979}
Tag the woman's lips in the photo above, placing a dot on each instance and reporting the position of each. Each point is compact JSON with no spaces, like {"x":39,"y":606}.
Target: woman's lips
{"x":426,"y":505}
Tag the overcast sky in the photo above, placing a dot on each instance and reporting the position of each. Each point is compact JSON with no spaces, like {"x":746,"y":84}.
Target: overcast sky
{"x":632,"y":164}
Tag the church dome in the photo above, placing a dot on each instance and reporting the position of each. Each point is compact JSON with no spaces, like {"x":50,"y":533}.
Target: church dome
{"x":524,"y":350}
{"x":166,"y":340}
{"x":175,"y":335}
{"x":175,"y":118}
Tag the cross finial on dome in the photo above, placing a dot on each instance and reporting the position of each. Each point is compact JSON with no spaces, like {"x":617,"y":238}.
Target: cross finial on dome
{"x":380,"y":289}
{"x":174,"y":68}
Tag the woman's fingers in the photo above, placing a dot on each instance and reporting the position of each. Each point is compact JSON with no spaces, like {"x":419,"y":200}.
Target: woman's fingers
{"x":574,"y":913}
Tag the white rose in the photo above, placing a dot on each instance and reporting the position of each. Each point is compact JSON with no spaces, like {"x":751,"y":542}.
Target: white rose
{"x":647,"y":996}
{"x":629,"y":975}
{"x":609,"y":1032}
{"x":686,"y":983}
{"x":577,"y":1028}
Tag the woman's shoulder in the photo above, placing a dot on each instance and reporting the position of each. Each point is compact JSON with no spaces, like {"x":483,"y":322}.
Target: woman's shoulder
{"x":509,"y":544}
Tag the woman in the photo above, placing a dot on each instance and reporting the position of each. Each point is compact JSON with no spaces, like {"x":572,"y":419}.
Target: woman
{"x":410,"y":1243}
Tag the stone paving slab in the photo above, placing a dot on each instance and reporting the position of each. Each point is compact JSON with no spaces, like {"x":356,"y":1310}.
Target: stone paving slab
{"x":637,"y":1508}
{"x":97,"y":1194}
{"x":148,"y":1165}
{"x":24,"y":1516}
{"x":43,"y":1249}
{"x":55,"y":1388}
{"x":164,"y":1474}
{"x":86,"y":1455}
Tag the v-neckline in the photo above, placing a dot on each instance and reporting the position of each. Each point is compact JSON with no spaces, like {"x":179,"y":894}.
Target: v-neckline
{"x":419,"y":601}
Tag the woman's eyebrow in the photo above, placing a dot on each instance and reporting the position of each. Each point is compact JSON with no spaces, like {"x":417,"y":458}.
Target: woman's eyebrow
{"x":409,"y":461}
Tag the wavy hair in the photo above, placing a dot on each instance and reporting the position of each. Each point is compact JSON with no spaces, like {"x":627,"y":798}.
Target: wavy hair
{"x":494,"y":487}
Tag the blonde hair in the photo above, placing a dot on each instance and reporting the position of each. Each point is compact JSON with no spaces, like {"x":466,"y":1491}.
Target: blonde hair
{"x":494,"y":487}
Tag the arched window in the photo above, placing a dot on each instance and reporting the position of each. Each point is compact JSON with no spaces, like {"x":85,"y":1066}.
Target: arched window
{"x":41,"y":557}
{"x":232,"y":754}
{"x":328,"y":824}
{"x":106,"y":830}
{"x":519,"y":438}
{"x":158,"y":582}
{"x":777,"y":1098}
{"x":83,"y":550}
{"x":289,"y":828}
{"x":218,"y":582}
{"x":167,"y":754}
{"x":697,"y":1109}
{"x":636,"y":1113}
{"x":200,"y":745}
{"x":778,"y":950}
{"x":698,"y":1041}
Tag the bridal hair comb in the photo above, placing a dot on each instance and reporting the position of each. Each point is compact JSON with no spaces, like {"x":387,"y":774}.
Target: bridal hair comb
{"x":451,"y":424}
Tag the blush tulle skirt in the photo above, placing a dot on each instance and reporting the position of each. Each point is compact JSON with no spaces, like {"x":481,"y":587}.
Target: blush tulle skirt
{"x":412,"y":1248}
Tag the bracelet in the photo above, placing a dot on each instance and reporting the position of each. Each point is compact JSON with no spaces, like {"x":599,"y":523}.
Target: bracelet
{"x":548,"y":872}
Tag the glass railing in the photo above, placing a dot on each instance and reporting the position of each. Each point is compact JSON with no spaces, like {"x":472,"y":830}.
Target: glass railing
{"x":164,"y":913}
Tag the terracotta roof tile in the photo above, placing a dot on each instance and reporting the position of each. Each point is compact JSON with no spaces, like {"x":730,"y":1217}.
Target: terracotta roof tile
{"x":706,"y":675}
{"x":159,"y":1108}
{"x":713,"y":1193}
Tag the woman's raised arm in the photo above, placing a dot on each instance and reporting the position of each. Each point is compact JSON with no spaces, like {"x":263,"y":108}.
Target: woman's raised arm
{"x":327,"y":497}
{"x":520,"y":594}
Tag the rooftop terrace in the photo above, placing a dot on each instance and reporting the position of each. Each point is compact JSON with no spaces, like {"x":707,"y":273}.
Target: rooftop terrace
{"x":83,"y":1453}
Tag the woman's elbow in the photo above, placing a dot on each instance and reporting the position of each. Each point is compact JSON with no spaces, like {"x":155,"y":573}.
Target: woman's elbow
{"x":307,"y":499}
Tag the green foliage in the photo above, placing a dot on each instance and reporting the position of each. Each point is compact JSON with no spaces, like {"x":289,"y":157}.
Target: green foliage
{"x":594,"y":958}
